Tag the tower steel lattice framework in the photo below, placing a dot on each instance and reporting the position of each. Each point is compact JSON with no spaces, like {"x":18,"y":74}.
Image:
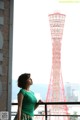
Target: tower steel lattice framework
{"x":56,"y":88}
{"x":56,"y":91}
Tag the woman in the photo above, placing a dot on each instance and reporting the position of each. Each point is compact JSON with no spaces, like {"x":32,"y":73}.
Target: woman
{"x":27,"y":101}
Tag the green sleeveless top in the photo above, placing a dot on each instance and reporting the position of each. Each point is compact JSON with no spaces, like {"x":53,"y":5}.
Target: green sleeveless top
{"x":29,"y":102}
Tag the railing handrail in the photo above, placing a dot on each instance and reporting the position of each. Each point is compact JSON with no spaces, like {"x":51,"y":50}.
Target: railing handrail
{"x":57,"y":103}
{"x":54,"y":103}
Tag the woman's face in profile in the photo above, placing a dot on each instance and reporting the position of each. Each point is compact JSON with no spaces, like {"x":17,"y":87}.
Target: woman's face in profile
{"x":29,"y":81}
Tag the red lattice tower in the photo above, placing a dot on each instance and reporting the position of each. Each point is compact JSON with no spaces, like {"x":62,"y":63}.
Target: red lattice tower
{"x":56,"y":88}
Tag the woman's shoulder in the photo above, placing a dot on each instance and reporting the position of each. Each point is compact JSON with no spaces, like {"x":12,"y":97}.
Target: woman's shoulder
{"x":22,"y":91}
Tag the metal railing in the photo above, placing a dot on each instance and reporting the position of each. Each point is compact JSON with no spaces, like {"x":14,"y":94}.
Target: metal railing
{"x":52,"y":103}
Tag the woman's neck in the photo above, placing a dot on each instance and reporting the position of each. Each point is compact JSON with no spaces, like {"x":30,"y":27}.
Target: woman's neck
{"x":27,"y":88}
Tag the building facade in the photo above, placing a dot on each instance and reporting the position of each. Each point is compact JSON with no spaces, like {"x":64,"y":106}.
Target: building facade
{"x":6,"y":31}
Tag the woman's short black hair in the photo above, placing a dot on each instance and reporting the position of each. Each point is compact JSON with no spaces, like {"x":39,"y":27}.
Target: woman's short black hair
{"x":22,"y":80}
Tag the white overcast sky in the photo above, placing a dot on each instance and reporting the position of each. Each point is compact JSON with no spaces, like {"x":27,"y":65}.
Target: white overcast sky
{"x":32,"y":39}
